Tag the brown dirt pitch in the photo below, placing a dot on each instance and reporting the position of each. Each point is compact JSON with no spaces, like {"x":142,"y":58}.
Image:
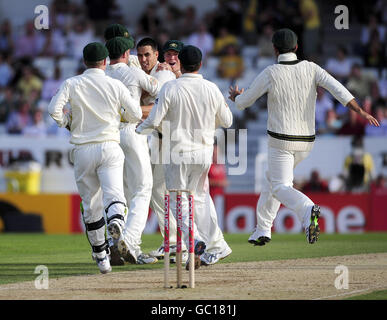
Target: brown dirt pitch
{"x":297,"y":279}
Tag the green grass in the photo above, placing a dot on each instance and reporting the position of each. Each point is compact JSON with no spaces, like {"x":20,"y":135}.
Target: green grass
{"x":70,"y":255}
{"x":376,"y":295}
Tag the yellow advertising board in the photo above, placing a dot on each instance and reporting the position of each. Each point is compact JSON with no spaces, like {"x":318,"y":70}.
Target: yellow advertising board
{"x":55,"y":209}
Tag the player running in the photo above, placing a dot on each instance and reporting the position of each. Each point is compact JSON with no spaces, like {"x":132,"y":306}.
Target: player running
{"x":96,"y":101}
{"x":192,"y":106}
{"x":291,"y":88}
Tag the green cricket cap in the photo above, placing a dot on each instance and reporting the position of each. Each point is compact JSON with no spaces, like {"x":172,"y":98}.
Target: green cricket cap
{"x":95,"y":51}
{"x":117,"y":46}
{"x":284,"y":39}
{"x":173,"y":45}
{"x":190,"y":55}
{"x":118,"y":30}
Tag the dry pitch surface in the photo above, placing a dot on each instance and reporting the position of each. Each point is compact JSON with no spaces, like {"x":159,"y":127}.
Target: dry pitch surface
{"x":281,"y":279}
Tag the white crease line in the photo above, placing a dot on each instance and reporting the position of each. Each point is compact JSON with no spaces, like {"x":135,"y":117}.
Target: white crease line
{"x":351,"y":292}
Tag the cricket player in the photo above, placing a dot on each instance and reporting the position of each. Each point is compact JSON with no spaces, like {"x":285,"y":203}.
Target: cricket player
{"x":96,"y":102}
{"x":147,"y":53}
{"x":137,"y":166}
{"x":118,"y":30}
{"x":217,"y":248}
{"x":192,"y":106}
{"x":291,"y":89}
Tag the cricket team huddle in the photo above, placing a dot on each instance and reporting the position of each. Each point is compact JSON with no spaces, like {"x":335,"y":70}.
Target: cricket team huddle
{"x":126,"y":110}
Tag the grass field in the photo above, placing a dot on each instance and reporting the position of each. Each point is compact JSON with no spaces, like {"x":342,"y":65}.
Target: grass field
{"x":70,"y":255}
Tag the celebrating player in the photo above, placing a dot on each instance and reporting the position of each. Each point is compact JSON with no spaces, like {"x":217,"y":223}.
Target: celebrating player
{"x":291,"y":88}
{"x":137,"y":166}
{"x":192,"y":106}
{"x":96,"y":101}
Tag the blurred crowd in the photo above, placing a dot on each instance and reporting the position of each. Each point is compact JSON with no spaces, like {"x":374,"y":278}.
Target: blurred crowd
{"x":235,"y":39}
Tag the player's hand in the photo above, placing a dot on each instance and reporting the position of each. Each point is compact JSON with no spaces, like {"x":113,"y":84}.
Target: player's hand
{"x":371,"y":120}
{"x":164,"y":66}
{"x":234,"y":92}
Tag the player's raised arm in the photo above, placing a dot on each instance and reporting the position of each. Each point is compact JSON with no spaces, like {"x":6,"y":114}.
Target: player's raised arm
{"x":325,"y":80}
{"x":246,"y":98}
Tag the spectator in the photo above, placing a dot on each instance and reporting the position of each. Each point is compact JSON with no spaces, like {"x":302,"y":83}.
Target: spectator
{"x":79,"y":38}
{"x":217,"y":175}
{"x":7,"y":104}
{"x":360,"y":82}
{"x":50,"y":86}
{"x":28,"y":82}
{"x":99,"y":11}
{"x":337,"y":184}
{"x":231,"y":64}
{"x":358,"y":167}
{"x":374,"y":56}
{"x":27,"y":45}
{"x":323,"y":104}
{"x":311,"y":34}
{"x":340,"y":66}
{"x":54,"y":43}
{"x":223,"y":40}
{"x":149,"y":23}
{"x":315,"y":183}
{"x":19,"y":119}
{"x":202,"y":39}
{"x":380,"y":184}
{"x":188,"y":22}
{"x":380,"y":115}
{"x":37,"y":128}
{"x":6,"y":41}
{"x":265,"y":44}
{"x":6,"y":71}
{"x":368,"y":30}
{"x":353,"y":126}
{"x":331,"y":125}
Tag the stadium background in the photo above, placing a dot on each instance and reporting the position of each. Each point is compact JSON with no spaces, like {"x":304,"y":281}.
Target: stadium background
{"x":37,"y":187}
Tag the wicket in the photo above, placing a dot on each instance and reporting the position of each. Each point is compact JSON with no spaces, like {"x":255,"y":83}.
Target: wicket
{"x":179,"y":222}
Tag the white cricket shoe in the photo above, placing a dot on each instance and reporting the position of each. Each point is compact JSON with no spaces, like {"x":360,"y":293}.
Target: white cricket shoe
{"x":208,"y":258}
{"x":103,"y":264}
{"x":144,"y":258}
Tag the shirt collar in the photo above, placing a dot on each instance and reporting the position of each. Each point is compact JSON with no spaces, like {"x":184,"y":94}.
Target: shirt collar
{"x":191,"y":75}
{"x":289,"y":56}
{"x":94,"y":71}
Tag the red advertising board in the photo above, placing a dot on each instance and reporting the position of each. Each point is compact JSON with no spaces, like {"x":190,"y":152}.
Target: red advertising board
{"x":341,"y":213}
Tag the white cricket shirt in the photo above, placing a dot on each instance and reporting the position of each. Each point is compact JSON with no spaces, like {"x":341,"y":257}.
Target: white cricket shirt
{"x":291,"y":100}
{"x":194,"y":107}
{"x":96,"y":102}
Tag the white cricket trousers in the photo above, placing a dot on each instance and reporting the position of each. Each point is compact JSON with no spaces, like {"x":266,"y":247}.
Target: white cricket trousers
{"x":278,"y":188}
{"x":206,"y":219}
{"x":137,"y":183}
{"x":99,"y":166}
{"x":186,"y":177}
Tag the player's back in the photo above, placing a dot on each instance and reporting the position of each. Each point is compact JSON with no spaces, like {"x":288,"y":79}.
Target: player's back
{"x":95,"y":106}
{"x":195,"y":106}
